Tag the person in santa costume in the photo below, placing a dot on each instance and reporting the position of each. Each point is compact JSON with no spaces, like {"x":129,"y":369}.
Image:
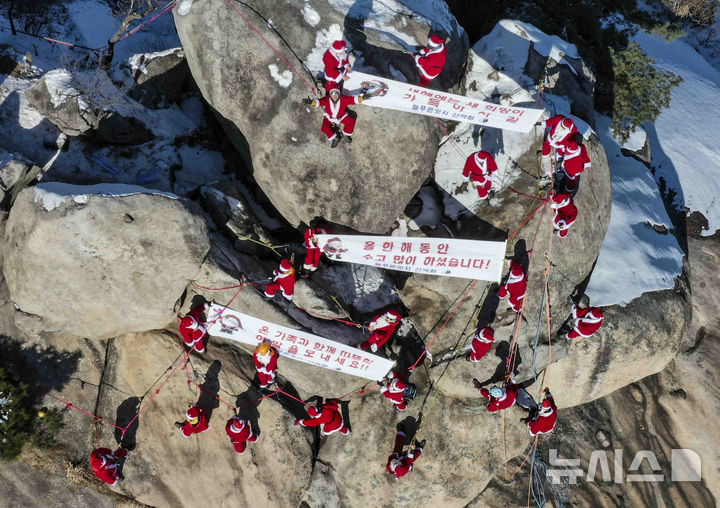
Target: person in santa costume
{"x":565,"y":213}
{"x":393,"y":388}
{"x":337,"y":65}
{"x":514,"y":286}
{"x":195,"y":421}
{"x":545,"y":418}
{"x":105,"y":463}
{"x":240,"y":432}
{"x":401,"y":462}
{"x":283,"y":281}
{"x":481,"y":344}
{"x":338,"y":120}
{"x":500,"y":397}
{"x":312,"y":258}
{"x":382,"y":327}
{"x":574,"y":161}
{"x":479,"y":168}
{"x":266,"y":358}
{"x":585,"y":321}
{"x":192,"y":328}
{"x":430,"y":61}
{"x":562,"y":131}
{"x":328,"y":417}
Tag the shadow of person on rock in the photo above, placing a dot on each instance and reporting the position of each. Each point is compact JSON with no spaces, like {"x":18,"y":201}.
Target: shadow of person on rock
{"x":409,"y":426}
{"x":247,"y":404}
{"x":209,"y":390}
{"x":502,"y":351}
{"x":126,"y":413}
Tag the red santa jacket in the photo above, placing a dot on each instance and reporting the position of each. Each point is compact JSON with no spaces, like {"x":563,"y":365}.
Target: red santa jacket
{"x":103,"y":462}
{"x":479,"y":166}
{"x":382,"y":326}
{"x":516,"y":283}
{"x":565,"y":210}
{"x":329,"y":414}
{"x":286,"y":279}
{"x":271,"y":367}
{"x":310,"y":237}
{"x":575,"y":159}
{"x":335,"y":67}
{"x":400,"y":464}
{"x":547,"y":418}
{"x":431,"y":61}
{"x":195,"y":316}
{"x":238,"y":430}
{"x":587,"y":321}
{"x":558,"y":135}
{"x":395,"y":389}
{"x":504,"y":402}
{"x":335,"y":112}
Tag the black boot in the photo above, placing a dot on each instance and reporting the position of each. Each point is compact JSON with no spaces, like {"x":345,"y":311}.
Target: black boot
{"x":335,"y":142}
{"x":348,"y":139}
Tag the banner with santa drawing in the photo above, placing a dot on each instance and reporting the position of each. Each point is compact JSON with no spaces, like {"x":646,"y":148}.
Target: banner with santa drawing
{"x":390,"y":94}
{"x":301,"y":346}
{"x":468,"y":259}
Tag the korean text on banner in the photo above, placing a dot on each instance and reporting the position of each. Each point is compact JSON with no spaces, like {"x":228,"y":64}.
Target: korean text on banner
{"x":400,"y":96}
{"x":300,"y":346}
{"x":468,"y":259}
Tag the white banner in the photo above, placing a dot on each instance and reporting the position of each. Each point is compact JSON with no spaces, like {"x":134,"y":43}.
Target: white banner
{"x":468,"y":259}
{"x":423,"y":101}
{"x":300,"y":346}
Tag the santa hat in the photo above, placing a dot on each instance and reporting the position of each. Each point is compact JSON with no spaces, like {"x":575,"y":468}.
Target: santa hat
{"x":568,"y":124}
{"x":486,"y":333}
{"x":193,"y":325}
{"x":235,"y":422}
{"x":560,"y":200}
{"x":339,"y":46}
{"x":545,"y":408}
{"x":286,"y":265}
{"x":436,"y":40}
{"x":397,"y":386}
{"x":516,"y":269}
{"x":193,"y":413}
{"x":594,"y":314}
{"x":391,"y":316}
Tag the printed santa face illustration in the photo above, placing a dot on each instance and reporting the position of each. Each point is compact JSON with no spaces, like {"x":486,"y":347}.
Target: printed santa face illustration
{"x":230,"y":324}
{"x":333,"y":248}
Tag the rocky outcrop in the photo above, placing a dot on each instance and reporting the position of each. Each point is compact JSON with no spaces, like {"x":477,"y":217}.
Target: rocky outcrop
{"x":290,"y":158}
{"x":158,"y":76}
{"x":98,"y":261}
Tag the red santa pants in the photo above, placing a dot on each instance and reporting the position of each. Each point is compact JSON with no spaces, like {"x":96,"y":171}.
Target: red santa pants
{"x":483,"y":188}
{"x":398,"y":399}
{"x":240,"y":446}
{"x":514,"y":301}
{"x":399,"y":443}
{"x":348,"y":123}
{"x":265,"y":379}
{"x":280,"y":285}
{"x":479,"y":349}
{"x":312,"y":259}
{"x":379,"y":338}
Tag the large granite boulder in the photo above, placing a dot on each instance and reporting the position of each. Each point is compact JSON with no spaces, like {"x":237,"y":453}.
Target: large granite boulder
{"x":364,"y":185}
{"x":97,"y":261}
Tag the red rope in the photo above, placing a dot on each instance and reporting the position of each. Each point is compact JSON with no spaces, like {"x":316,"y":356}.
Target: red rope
{"x":542,"y":205}
{"x":271,"y":46}
{"x":221,"y":289}
{"x":444,"y":325}
{"x":70,"y":405}
{"x":167,"y":8}
{"x":536,"y":198}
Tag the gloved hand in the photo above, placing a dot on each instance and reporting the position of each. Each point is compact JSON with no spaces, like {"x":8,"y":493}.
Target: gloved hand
{"x":421,"y":444}
{"x":307,"y":101}
{"x":297,"y":422}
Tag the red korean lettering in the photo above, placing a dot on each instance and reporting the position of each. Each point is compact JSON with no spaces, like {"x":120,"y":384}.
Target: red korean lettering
{"x":369,"y":245}
{"x":406,"y":247}
{"x":387,"y":246}
{"x":443,"y":248}
{"x":424,"y":248}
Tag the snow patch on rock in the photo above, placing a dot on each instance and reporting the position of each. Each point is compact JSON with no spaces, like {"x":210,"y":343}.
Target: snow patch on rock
{"x":283,"y":78}
{"x":635,"y":258}
{"x":310,"y":15}
{"x":636,"y":141}
{"x":323,"y":39}
{"x":54,"y":194}
{"x":139,"y":61}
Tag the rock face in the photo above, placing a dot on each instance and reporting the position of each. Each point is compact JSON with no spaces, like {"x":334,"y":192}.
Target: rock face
{"x":158,"y":76}
{"x":89,"y":102}
{"x":291,"y":159}
{"x":99,"y":265}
